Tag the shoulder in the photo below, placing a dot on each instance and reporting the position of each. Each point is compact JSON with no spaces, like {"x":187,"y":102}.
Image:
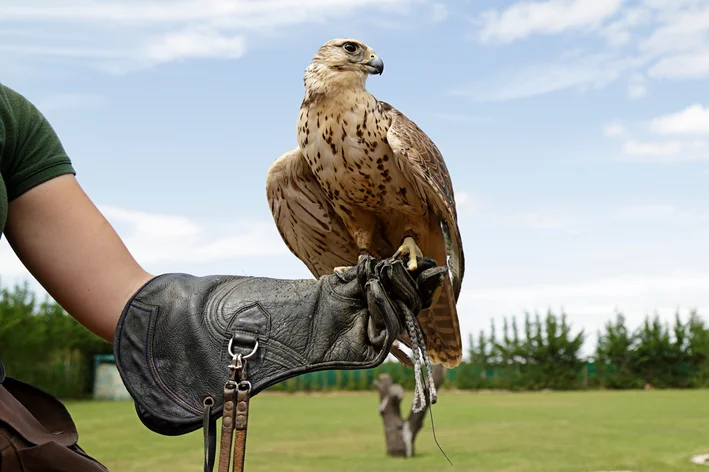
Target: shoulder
{"x":16,"y":106}
{"x":19,"y":112}
{"x":30,"y":150}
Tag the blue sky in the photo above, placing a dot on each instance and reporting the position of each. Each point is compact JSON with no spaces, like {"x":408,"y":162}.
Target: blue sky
{"x":576,"y":133}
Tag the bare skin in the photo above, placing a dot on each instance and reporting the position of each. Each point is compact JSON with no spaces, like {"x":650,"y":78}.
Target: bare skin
{"x":73,"y":251}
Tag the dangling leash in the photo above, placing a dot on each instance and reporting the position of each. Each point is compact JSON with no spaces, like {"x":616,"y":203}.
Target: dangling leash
{"x":235,"y":417}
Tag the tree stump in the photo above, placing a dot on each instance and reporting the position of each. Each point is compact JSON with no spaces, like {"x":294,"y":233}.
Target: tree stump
{"x":401,"y":434}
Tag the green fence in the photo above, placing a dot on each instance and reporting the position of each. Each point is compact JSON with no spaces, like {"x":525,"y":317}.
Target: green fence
{"x":465,"y":376}
{"x":469,"y":376}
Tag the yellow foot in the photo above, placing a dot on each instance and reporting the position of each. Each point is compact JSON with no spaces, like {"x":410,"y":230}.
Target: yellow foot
{"x":409,"y":248}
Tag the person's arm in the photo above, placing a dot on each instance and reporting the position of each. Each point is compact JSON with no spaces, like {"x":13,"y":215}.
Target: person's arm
{"x":70,"y":248}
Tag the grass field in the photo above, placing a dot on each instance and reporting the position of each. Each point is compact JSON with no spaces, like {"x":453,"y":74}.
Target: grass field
{"x":648,"y":431}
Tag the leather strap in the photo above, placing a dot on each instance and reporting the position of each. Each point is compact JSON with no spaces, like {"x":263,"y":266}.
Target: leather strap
{"x":235,"y":418}
{"x":209,"y":426}
{"x":227,"y":429}
{"x":242,"y":418}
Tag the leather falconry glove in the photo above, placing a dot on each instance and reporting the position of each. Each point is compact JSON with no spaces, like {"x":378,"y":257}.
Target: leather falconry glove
{"x":179,"y":333}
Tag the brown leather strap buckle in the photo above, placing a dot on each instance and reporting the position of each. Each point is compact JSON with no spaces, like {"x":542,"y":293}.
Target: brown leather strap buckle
{"x":235,"y":414}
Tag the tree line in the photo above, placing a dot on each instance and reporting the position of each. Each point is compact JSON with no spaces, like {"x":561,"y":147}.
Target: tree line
{"x":547,"y":355}
{"x":41,"y":344}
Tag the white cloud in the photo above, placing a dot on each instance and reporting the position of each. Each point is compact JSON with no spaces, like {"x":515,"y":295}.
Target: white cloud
{"x":680,"y":42}
{"x":543,"y":220}
{"x":691,"y":65}
{"x":651,"y":39}
{"x":620,"y":32}
{"x":161,"y":240}
{"x":666,"y":152}
{"x":131,"y":12}
{"x":151,"y":225}
{"x":664,"y":212}
{"x":462,"y":118}
{"x":649,"y":211}
{"x":465,"y":204}
{"x":580,"y":73}
{"x":439,"y":12}
{"x":682,"y":26}
{"x":130,"y":34}
{"x":195,"y":44}
{"x":614,"y":129}
{"x":693,"y":120}
{"x":637,"y":86}
{"x":462,"y":198}
{"x":576,"y":222}
{"x":140,"y":12}
{"x":154,"y":238}
{"x":655,"y":149}
{"x":549,"y":17}
{"x":536,"y":219}
{"x":615,"y":288}
{"x":686,"y":128}
{"x":71,"y":101}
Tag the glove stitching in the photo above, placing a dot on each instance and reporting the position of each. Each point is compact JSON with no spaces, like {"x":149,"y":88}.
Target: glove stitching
{"x":214,"y":302}
{"x":283,"y":361}
{"x":150,"y":359}
{"x":311,"y":326}
{"x":290,"y":352}
{"x":148,"y":310}
{"x":331,"y":289}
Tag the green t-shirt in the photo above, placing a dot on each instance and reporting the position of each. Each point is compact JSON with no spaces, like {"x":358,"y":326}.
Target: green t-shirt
{"x":30,"y":151}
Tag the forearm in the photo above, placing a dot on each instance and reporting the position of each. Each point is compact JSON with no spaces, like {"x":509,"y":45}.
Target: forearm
{"x":72,"y":250}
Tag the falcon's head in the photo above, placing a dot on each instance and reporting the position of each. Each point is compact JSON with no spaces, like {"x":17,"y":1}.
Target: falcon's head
{"x":345,"y":61}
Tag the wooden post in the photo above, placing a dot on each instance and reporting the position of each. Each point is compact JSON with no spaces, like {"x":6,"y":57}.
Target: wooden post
{"x":401,"y":434}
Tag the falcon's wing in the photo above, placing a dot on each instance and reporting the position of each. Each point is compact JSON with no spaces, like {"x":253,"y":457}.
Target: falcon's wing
{"x":307,"y":223}
{"x":422,"y":163}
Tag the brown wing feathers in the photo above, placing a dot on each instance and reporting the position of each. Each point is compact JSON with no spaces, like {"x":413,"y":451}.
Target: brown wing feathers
{"x":422,"y":161}
{"x":307,"y":223}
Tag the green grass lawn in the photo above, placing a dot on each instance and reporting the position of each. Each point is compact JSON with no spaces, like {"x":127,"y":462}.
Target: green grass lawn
{"x":648,"y":431}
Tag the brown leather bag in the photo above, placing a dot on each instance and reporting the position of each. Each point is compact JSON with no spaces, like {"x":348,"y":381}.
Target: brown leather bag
{"x":37,"y":433}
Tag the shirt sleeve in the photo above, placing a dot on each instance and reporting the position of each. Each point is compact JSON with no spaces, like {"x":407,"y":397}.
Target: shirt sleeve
{"x":32,"y":153}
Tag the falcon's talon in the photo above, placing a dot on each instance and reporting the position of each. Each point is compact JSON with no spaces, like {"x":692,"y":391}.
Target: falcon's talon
{"x":341,"y":269}
{"x":409,"y":248}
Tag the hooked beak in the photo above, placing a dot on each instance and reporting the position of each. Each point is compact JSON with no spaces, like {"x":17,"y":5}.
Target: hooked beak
{"x":375,"y":65}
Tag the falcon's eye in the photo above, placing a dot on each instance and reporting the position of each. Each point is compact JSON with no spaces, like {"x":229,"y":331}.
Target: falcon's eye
{"x":350,"y":47}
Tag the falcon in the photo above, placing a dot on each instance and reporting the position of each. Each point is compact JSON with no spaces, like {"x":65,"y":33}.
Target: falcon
{"x":364,"y":179}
